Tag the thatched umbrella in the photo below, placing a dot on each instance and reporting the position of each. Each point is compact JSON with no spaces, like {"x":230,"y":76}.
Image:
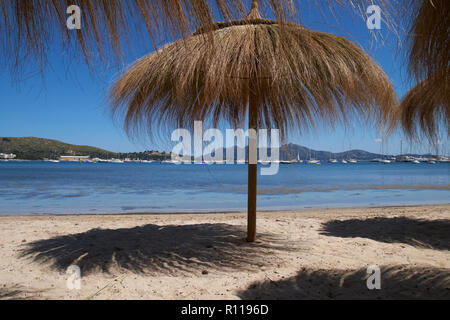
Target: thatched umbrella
{"x":282,"y":79}
{"x":428,"y":104}
{"x":426,"y":107}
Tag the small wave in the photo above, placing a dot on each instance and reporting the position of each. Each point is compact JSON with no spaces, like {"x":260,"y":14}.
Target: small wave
{"x":378,"y":187}
{"x":130,"y":208}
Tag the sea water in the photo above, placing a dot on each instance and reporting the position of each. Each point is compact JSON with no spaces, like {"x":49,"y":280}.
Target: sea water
{"x":35,"y":187}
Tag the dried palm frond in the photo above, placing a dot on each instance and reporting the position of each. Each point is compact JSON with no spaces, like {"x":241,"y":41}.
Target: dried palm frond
{"x":426,"y":108}
{"x":30,"y":27}
{"x":297,"y":77}
{"x":427,"y":105}
{"x":429,"y":51}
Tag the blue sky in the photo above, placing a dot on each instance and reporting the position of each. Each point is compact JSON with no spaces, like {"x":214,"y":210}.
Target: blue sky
{"x":69,"y":105}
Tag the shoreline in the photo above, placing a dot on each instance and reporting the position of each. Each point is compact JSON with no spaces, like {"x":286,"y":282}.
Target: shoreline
{"x":234,"y":212}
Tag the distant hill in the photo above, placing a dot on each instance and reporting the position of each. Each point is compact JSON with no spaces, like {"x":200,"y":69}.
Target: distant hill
{"x":38,"y":148}
{"x":31,"y":148}
{"x":292,"y":151}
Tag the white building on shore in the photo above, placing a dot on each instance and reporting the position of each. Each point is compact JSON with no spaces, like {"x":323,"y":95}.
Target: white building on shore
{"x":7,"y":156}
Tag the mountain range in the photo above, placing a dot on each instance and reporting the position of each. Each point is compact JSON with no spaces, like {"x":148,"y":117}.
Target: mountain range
{"x":293,"y":151}
{"x":31,"y":148}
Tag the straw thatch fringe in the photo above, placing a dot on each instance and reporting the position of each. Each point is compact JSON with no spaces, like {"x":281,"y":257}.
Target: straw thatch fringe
{"x":28,"y":27}
{"x":427,"y":106}
{"x":429,"y":51}
{"x":298,"y":75}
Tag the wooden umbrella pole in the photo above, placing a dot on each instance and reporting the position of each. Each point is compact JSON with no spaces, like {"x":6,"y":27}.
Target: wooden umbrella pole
{"x":252,"y":165}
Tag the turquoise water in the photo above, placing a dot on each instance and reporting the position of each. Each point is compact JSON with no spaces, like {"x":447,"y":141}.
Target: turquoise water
{"x":63,"y":188}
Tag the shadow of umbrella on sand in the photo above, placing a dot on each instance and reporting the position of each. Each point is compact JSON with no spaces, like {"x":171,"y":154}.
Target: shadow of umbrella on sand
{"x":429,"y":234}
{"x":154,"y":249}
{"x":282,"y":74}
{"x":397,"y":282}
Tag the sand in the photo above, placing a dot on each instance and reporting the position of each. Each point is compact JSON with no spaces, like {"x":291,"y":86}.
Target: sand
{"x":318,"y":254}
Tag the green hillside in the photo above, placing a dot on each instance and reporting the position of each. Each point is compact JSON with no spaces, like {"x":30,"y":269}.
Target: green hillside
{"x":37,"y":148}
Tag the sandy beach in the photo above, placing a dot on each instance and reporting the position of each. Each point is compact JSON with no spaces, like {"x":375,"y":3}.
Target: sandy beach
{"x":318,"y":254}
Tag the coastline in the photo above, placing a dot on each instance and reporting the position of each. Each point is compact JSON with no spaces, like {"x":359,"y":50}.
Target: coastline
{"x":301,"y":211}
{"x":312,"y":253}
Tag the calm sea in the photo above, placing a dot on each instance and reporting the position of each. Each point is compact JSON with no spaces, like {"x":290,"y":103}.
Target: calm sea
{"x":63,"y":188}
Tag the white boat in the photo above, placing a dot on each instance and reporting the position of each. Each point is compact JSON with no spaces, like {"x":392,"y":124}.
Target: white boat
{"x":416,"y":161}
{"x":344,"y":161}
{"x":116,"y":161}
{"x":146,"y":161}
{"x":54,"y":161}
{"x":311,"y":160}
{"x":170,"y":161}
{"x":298,"y":159}
{"x":431,"y":162}
{"x":333,"y":161}
{"x":381,"y":160}
{"x":288,"y":162}
{"x":353,"y":161}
